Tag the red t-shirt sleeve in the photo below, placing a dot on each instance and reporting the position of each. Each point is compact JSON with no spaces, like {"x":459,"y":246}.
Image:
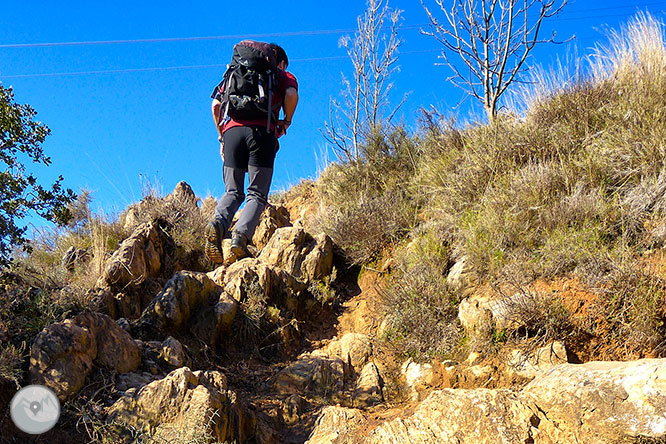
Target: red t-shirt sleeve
{"x":288,"y":80}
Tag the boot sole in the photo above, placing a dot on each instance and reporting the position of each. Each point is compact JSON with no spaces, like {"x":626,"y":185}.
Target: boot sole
{"x":212,"y":251}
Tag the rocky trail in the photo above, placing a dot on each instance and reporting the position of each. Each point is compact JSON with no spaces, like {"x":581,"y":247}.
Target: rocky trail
{"x":283,"y":348}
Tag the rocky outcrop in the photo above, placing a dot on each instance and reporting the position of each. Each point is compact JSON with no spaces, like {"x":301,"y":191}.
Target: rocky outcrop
{"x":337,"y":425}
{"x":340,"y":367}
{"x":271,"y":219}
{"x":301,"y":255}
{"x":63,"y":354}
{"x":139,"y":257}
{"x":191,"y":300}
{"x":186,"y":406}
{"x":313,"y":373}
{"x":597,"y":402}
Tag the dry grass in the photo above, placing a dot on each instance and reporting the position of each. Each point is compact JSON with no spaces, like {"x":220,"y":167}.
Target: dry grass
{"x":422,"y":310}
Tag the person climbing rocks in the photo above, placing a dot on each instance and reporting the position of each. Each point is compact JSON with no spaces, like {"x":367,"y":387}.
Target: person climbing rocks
{"x":246,"y":108}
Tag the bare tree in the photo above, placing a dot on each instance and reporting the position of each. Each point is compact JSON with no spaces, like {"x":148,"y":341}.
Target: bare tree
{"x":373,"y":52}
{"x":492,"y":39}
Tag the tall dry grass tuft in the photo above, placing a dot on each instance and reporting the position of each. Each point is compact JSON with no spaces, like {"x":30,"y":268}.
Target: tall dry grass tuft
{"x":636,"y":48}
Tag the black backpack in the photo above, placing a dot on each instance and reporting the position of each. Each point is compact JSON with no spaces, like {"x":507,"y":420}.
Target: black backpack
{"x":248,"y":84}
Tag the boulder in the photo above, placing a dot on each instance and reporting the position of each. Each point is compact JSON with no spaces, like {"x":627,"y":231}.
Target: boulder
{"x":337,"y":425}
{"x":185,"y":406}
{"x":480,"y":416}
{"x":354,"y":349}
{"x":604,"y":402}
{"x":183,"y":195}
{"x":597,"y":402}
{"x":184,"y":294}
{"x":315,"y":373}
{"x":419,"y":377}
{"x":63,"y":353}
{"x":301,"y":255}
{"x":172,"y":352}
{"x":368,"y":390}
{"x":529,"y":365}
{"x":271,"y":219}
{"x":252,"y":278}
{"x":214,"y":321}
{"x":138,"y":258}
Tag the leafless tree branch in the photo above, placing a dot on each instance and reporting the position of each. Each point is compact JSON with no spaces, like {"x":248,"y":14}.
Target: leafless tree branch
{"x":492,"y":39}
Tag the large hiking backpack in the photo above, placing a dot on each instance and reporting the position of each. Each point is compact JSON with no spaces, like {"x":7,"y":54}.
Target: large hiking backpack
{"x":249,"y":82}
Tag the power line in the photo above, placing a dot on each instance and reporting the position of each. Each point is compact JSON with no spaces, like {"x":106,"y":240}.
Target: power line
{"x":181,"y":67}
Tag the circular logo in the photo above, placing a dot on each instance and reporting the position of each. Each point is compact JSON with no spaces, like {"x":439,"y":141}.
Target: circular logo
{"x":35,"y":409}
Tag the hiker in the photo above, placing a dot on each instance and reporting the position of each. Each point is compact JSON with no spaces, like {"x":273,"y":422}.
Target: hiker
{"x":246,"y":108}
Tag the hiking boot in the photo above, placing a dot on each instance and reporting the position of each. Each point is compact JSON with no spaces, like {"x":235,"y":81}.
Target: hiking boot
{"x":214,"y":235}
{"x":239,"y":245}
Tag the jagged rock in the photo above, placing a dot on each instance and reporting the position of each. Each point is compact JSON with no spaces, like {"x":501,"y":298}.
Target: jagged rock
{"x":474,"y":313}
{"x":338,"y":425}
{"x":182,"y":296}
{"x":479,"y":416}
{"x":597,"y":402}
{"x":354,"y":349}
{"x":530,"y":365}
{"x":271,"y":219}
{"x":459,"y":279}
{"x":269,"y":283}
{"x":126,"y":381}
{"x":421,"y":377}
{"x":304,"y":257}
{"x":72,"y":257}
{"x":182,"y":194}
{"x":172,"y":352}
{"x":63,"y":353}
{"x":138,"y":258}
{"x":314,"y":373}
{"x":600,"y":401}
{"x":293,"y":408}
{"x":213,"y":321}
{"x":184,"y":406}
{"x":368,"y":391}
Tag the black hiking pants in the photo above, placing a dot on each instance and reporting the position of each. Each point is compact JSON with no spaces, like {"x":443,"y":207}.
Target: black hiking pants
{"x":248,"y":150}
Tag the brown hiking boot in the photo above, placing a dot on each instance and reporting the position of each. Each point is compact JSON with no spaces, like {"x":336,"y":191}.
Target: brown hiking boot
{"x":239,"y":245}
{"x":214,"y":235}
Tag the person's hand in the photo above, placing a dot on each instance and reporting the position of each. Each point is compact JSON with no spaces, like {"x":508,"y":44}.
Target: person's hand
{"x":282,"y":126}
{"x":222,"y":150}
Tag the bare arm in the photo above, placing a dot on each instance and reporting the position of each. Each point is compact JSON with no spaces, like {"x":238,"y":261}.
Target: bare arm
{"x":217,"y":113}
{"x":289,"y":107}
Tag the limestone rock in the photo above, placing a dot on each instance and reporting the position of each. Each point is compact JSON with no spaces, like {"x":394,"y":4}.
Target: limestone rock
{"x":354,"y":349}
{"x":479,"y":416}
{"x":271,"y":219}
{"x":172,"y":352}
{"x":63,"y":353}
{"x":184,"y":406}
{"x":137,"y":258}
{"x":337,"y":425}
{"x":458,"y":278}
{"x":604,"y":402}
{"x":530,"y":365}
{"x":213,"y":321}
{"x":314,"y":373}
{"x":304,"y":257}
{"x":183,"y":195}
{"x":184,"y":294}
{"x":368,"y":391}
{"x":265,"y":281}
{"x":597,"y":402}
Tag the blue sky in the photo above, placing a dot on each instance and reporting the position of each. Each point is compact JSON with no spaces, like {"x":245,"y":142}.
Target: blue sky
{"x":128,"y":114}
